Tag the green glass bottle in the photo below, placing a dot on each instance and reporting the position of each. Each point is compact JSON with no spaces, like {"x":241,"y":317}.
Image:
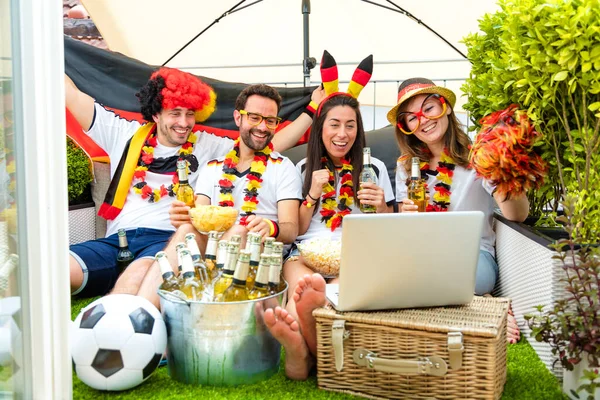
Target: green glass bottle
{"x":124,"y":255}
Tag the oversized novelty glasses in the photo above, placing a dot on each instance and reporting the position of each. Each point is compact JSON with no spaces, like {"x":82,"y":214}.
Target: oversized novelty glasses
{"x":433,"y":107}
{"x":255,"y":119}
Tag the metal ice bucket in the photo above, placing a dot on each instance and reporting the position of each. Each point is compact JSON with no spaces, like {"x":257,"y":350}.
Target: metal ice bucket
{"x":220,"y":344}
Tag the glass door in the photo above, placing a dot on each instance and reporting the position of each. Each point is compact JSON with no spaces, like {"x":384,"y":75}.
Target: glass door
{"x":34,"y":288}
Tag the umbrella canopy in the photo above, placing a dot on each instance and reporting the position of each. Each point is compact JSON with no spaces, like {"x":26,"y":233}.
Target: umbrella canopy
{"x":270,"y":32}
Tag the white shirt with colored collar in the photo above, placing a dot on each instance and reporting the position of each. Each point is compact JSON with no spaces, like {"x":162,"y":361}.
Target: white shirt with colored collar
{"x":111,"y":133}
{"x":318,"y":228}
{"x":281,"y":181}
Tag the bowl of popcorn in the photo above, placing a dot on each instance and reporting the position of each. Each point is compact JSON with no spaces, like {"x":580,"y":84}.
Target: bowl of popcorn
{"x":322,"y":255}
{"x":213,"y":218}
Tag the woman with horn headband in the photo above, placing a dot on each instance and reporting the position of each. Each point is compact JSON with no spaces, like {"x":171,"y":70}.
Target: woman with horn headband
{"x":330,"y":174}
{"x":427,"y":128}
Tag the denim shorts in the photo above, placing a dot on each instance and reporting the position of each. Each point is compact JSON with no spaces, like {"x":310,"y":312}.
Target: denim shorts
{"x":487,"y":273}
{"x":98,"y":258}
{"x":293,"y":254}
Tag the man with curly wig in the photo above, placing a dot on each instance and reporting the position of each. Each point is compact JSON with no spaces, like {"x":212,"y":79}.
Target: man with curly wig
{"x":143,"y":164}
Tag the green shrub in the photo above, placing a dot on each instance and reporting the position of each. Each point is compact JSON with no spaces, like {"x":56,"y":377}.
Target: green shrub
{"x":78,"y":170}
{"x":545,"y":56}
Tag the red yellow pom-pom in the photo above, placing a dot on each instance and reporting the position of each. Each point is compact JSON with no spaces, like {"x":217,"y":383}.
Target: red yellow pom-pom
{"x":503,"y":152}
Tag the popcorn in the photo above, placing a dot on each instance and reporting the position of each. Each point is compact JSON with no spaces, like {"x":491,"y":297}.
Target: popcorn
{"x":322,"y":255}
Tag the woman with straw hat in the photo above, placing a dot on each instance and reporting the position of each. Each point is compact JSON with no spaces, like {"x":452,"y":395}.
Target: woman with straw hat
{"x":427,"y":128}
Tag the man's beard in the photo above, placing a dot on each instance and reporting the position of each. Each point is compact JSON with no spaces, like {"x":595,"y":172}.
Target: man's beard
{"x":249,"y":140}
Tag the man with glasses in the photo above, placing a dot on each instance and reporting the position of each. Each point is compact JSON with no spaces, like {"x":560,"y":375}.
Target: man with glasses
{"x":262,"y":184}
{"x":143,"y":164}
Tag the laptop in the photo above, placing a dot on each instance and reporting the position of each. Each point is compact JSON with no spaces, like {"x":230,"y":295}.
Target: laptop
{"x":410,"y":260}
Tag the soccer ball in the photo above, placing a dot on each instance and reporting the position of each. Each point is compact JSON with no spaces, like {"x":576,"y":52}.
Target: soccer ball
{"x":117,"y":342}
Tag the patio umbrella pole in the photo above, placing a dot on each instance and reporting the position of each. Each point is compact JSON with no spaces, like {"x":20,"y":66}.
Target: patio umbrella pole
{"x":418,"y":21}
{"x":308,"y":62}
{"x":226,"y":13}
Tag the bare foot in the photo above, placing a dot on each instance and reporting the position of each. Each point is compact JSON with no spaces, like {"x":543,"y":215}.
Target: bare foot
{"x":286,"y":330}
{"x":513,"y":334}
{"x":309,"y":294}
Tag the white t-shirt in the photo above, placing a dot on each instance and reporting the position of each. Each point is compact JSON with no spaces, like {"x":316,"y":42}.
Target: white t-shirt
{"x":281,"y":181}
{"x":468,"y":193}
{"x":318,"y":228}
{"x":111,"y":133}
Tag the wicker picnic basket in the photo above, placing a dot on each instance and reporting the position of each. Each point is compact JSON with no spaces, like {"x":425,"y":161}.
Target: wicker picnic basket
{"x":454,"y":352}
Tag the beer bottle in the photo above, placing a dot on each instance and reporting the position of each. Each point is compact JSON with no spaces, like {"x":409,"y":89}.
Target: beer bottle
{"x":367,"y":175}
{"x":210,"y":258}
{"x":180,"y":246}
{"x":274,"y":275}
{"x":199,"y":266}
{"x":236,"y":239}
{"x":278,"y":254}
{"x":221,"y":258}
{"x":268,"y":245}
{"x":189,"y":284}
{"x":227,"y":276}
{"x":253,"y":244}
{"x":261,"y":283}
{"x":185,"y":192}
{"x":170,"y":282}
{"x":124,"y":256}
{"x":416,"y":187}
{"x":237,"y":291}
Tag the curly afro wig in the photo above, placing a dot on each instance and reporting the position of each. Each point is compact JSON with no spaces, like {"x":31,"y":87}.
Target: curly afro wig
{"x":170,"y":88}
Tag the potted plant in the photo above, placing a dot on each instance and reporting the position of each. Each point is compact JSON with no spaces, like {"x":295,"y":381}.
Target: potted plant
{"x":79,"y":174}
{"x":571,"y":326}
{"x":543,"y":55}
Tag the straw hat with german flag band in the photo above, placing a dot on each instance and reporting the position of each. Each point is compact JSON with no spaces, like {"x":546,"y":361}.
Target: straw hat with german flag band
{"x":415,"y":86}
{"x":329,"y":75}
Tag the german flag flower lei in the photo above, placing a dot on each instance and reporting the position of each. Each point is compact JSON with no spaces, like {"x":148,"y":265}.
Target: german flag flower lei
{"x":254,"y":179}
{"x":445,"y":172}
{"x":146,"y":158}
{"x":329,"y":205}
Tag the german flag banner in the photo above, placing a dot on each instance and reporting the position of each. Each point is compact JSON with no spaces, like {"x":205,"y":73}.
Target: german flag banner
{"x":113,"y":79}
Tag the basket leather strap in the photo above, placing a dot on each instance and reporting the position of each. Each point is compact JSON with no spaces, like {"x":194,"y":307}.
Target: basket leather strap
{"x":455,"y":349}
{"x":434,"y":365}
{"x":338,"y":335}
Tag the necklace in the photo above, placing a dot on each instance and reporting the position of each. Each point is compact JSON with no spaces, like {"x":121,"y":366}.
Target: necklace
{"x":445,"y":172}
{"x":254,"y":179}
{"x":147,"y":158}
{"x":329,"y":215}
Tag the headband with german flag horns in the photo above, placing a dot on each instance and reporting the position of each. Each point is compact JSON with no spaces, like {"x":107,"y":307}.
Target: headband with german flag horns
{"x":329,"y":76}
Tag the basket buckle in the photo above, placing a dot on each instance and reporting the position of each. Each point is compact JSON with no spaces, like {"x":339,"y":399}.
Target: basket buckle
{"x":455,"y":349}
{"x":338,"y":335}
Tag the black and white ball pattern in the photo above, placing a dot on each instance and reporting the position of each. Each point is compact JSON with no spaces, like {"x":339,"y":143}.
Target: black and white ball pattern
{"x":117,"y":342}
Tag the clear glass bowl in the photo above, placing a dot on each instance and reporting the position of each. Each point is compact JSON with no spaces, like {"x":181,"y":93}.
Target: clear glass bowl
{"x":322,"y":255}
{"x":213,"y":218}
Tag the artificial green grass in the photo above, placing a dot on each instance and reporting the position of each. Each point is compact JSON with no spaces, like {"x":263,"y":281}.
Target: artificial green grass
{"x":527,"y":378}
